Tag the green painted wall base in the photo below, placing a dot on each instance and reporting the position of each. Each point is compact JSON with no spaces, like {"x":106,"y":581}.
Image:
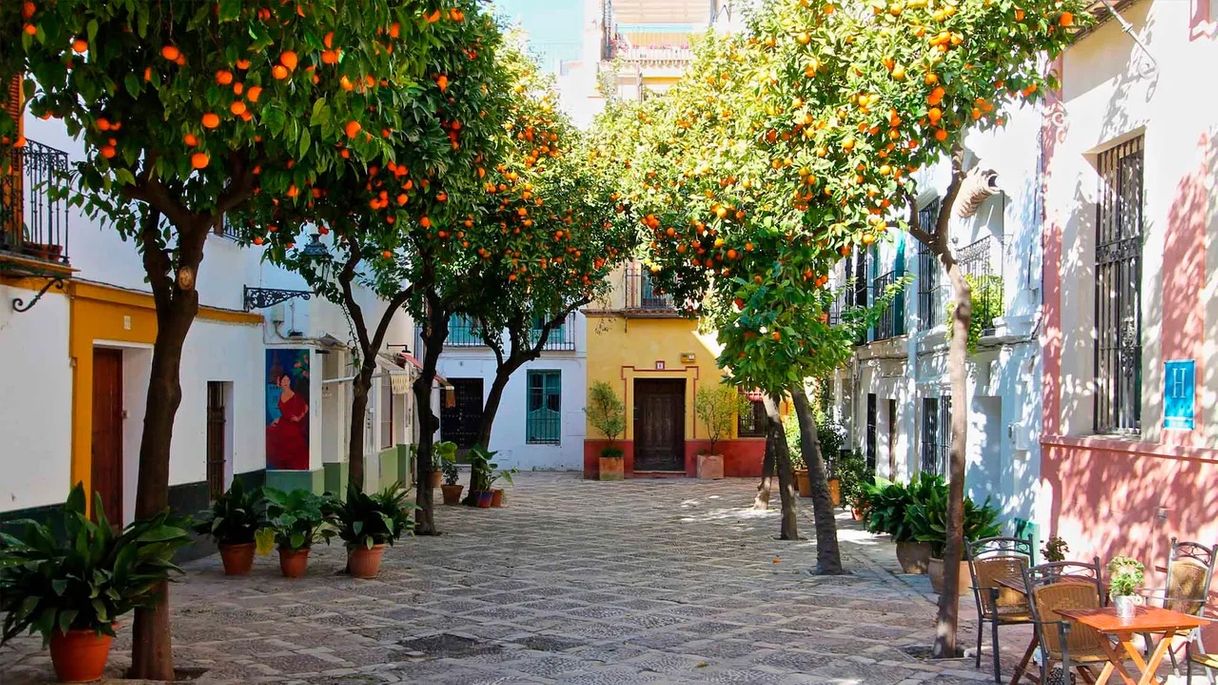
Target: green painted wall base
{"x":336,"y":477}
{"x":314,"y":481}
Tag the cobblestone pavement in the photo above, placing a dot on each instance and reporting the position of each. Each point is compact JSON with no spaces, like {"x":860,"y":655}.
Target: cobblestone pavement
{"x":640,"y":581}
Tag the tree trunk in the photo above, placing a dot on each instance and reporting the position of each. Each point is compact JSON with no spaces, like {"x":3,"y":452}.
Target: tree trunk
{"x":360,"y":387}
{"x":765,"y":486}
{"x":177,"y":303}
{"x":435,"y":332}
{"x":786,"y":476}
{"x":828,"y":556}
{"x":949,"y":599}
{"x":491,"y":407}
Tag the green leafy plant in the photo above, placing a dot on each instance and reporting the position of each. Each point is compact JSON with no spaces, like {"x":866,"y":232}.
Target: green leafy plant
{"x":832,"y":438}
{"x":1055,"y":549}
{"x":295,"y":520}
{"x":505,"y":474}
{"x":235,"y":516}
{"x":790,"y":429}
{"x":926,"y":517}
{"x":365,"y":520}
{"x":481,"y":467}
{"x":1126,"y":575}
{"x":443,"y":453}
{"x":886,"y":504}
{"x":986,"y":296}
{"x":718,"y":406}
{"x":88,"y":578}
{"x":851,"y":471}
{"x":451,"y":472}
{"x":607,"y":414}
{"x":612,"y":452}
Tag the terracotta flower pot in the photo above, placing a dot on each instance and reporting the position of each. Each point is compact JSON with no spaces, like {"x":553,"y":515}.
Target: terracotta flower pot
{"x":452,"y":493}
{"x":710,"y":466}
{"x":835,"y":492}
{"x":803,"y":482}
{"x":611,"y":468}
{"x":858,"y":513}
{"x":363,"y":562}
{"x":79,"y":656}
{"x":436,"y":479}
{"x":497,"y":497}
{"x":935,"y":569}
{"x":913,"y":556}
{"x":293,"y":562}
{"x":485,"y":498}
{"x":238,"y":559}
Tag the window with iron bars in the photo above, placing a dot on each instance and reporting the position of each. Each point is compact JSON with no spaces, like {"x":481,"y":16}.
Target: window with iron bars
{"x":463,"y":331}
{"x":543,"y":420}
{"x":751,"y":423}
{"x":976,"y":265}
{"x":928,"y":270}
{"x":1118,"y":290}
{"x":936,"y":433}
{"x":889,"y":323}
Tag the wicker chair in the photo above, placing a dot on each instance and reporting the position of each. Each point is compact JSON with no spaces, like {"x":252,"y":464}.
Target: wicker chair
{"x":1066,"y":585}
{"x":1190,"y":569}
{"x":1207,"y":662}
{"x":988,"y":560}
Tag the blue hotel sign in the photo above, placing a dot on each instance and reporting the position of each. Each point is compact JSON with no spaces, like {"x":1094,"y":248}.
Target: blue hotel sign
{"x":1179,"y":380}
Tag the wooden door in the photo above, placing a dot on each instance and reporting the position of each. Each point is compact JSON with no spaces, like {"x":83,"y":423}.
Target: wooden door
{"x":871,"y":432}
{"x":460,"y":423}
{"x":107,"y":470}
{"x":892,"y":439}
{"x":659,"y":425}
{"x":215,"y":439}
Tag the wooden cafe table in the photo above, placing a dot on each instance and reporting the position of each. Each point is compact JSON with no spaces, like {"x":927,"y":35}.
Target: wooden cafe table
{"x":1145,"y":620}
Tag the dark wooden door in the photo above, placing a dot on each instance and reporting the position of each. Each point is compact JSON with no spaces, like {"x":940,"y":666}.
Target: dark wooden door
{"x":460,"y":422}
{"x":659,"y":425}
{"x":892,"y":439}
{"x":871,"y":432}
{"x":107,"y":470}
{"x":215,"y":439}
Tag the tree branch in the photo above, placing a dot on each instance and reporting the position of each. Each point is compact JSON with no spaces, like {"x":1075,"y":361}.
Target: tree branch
{"x":345,"y":277}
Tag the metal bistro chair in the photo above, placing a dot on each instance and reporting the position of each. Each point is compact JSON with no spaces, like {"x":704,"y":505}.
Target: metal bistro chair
{"x":1207,"y":662}
{"x":990,"y":559}
{"x":1066,"y":585}
{"x":1190,"y":569}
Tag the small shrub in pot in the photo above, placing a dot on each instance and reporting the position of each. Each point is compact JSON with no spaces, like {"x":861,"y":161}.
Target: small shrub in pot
{"x":607,"y":414}
{"x":295,"y":520}
{"x":451,"y":488}
{"x":233,"y":521}
{"x":366,"y":523}
{"x":72,"y":589}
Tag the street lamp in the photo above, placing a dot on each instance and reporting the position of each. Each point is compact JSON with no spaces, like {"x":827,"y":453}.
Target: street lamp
{"x":315,"y":253}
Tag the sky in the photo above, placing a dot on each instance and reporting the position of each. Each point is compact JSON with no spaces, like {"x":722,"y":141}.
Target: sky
{"x":553,"y":27}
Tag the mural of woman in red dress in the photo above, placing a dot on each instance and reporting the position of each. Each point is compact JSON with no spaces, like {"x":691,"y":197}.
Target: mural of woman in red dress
{"x":287,"y":431}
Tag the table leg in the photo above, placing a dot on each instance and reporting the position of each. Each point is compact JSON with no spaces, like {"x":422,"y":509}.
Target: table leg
{"x":1115,"y":660}
{"x":1150,"y":667}
{"x":1105,"y":674}
{"x":1022,"y":668}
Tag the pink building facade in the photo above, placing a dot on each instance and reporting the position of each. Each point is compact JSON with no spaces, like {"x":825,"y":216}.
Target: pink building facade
{"x":1130,"y":341}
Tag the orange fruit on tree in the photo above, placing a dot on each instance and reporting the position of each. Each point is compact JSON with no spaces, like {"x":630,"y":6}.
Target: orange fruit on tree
{"x":238,"y":107}
{"x":940,"y":135}
{"x":243,"y":64}
{"x":211,"y":120}
{"x":1066,"y":19}
{"x":279,"y":72}
{"x":80,"y":45}
{"x":28,"y":9}
{"x":171,"y":53}
{"x":387,"y":254}
{"x":199,"y":160}
{"x":352,"y":128}
{"x":254,"y":93}
{"x":289,"y":59}
{"x":31,"y":30}
{"x":190,"y":139}
{"x":224,"y":77}
{"x":329,"y":57}
{"x":107,"y":151}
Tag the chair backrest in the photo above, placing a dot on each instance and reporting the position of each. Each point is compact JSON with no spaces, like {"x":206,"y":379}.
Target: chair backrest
{"x":1190,"y":568}
{"x":1064,"y":585}
{"x":992,"y":558}
{"x":1002,"y":547}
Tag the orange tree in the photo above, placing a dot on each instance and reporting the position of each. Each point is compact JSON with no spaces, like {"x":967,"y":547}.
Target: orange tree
{"x":556,"y":233}
{"x":400,"y":225}
{"x":859,"y":98}
{"x":180,"y":107}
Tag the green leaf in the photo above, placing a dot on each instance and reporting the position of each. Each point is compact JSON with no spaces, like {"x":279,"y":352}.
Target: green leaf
{"x":305,"y":141}
{"x":321,"y":113}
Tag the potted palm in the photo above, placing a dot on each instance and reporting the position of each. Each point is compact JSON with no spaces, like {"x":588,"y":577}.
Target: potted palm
{"x":1126,"y":575}
{"x":927,"y":517}
{"x":607,"y":414}
{"x":718,"y":407}
{"x":481,"y":474}
{"x":888,"y":504}
{"x":451,"y":488}
{"x":497,"y":493}
{"x":232,"y":521}
{"x":366,"y":523}
{"x":295,"y":521}
{"x":73,"y":588}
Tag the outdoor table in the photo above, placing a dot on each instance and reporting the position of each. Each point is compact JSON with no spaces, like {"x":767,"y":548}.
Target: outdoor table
{"x":1145,"y":620}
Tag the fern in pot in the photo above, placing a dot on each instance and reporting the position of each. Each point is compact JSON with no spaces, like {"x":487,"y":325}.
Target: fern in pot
{"x":73,"y":589}
{"x":295,"y":520}
{"x":366,"y":523}
{"x":233,"y":520}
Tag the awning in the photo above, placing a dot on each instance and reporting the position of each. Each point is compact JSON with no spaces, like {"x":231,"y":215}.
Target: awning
{"x":407,"y":360}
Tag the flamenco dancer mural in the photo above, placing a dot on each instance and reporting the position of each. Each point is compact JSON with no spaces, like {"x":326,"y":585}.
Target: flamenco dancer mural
{"x":287,"y":409}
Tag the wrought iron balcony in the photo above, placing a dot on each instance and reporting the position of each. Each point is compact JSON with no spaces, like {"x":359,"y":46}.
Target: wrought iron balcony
{"x":640,"y":293}
{"x":464,"y":332}
{"x":889,"y":323}
{"x":977,"y":265}
{"x":34,"y":209}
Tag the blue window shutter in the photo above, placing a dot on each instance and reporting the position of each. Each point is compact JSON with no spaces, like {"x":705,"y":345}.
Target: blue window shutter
{"x":899,"y":303}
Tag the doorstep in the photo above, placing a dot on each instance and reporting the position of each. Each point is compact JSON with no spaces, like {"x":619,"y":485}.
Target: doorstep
{"x":658,"y":474}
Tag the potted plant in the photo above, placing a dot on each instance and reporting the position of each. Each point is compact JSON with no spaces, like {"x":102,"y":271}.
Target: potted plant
{"x":1126,"y":575}
{"x":803,"y":483}
{"x":295,"y":521}
{"x":889,"y":503}
{"x":366,"y":523}
{"x":442,"y":453}
{"x":718,"y":407}
{"x":850,"y":469}
{"x":232,"y":521}
{"x":497,"y":493}
{"x":928,"y":519}
{"x":481,"y":470}
{"x":73,"y":588}
{"x":451,"y":488}
{"x":1055,"y":549}
{"x":607,"y":414}
{"x":832,"y":438}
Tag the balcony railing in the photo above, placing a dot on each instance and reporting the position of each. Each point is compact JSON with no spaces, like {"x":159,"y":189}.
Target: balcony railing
{"x":641,"y":294}
{"x":889,"y":323}
{"x":976,"y":264}
{"x":34,"y":203}
{"x":465,"y":332}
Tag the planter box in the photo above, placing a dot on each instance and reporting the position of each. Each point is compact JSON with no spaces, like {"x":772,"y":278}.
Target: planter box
{"x":803,"y":483}
{"x":914,"y":557}
{"x":835,"y":492}
{"x":611,"y":468}
{"x":710,"y":466}
{"x":934,"y":569}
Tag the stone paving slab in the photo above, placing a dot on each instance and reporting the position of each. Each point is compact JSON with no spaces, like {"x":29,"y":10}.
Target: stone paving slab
{"x":637,"y":581}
